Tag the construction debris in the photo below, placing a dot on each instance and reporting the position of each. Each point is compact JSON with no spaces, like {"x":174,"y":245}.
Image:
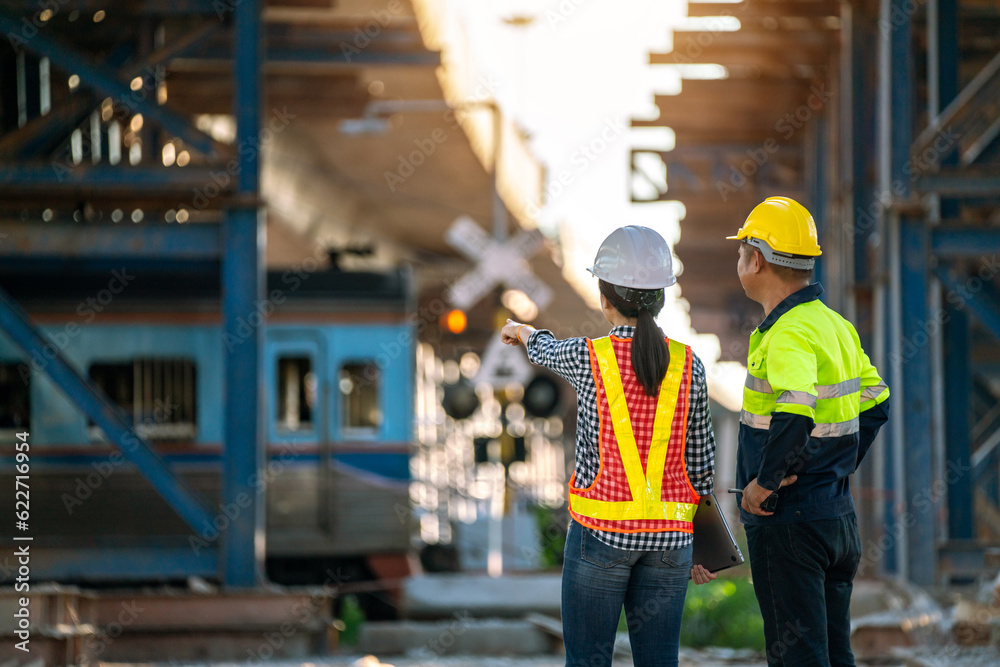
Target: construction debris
{"x":895,"y":615}
{"x":949,"y":656}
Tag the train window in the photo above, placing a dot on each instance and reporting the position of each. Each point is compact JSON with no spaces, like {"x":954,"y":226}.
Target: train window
{"x":159,"y":394}
{"x":15,"y":392}
{"x":358,"y":383}
{"x":296,"y":394}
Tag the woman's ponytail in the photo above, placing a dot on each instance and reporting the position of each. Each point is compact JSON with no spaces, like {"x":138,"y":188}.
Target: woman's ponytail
{"x":650,"y":355}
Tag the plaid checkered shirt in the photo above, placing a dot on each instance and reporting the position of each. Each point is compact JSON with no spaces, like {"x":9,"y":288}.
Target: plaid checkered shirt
{"x":570,"y":358}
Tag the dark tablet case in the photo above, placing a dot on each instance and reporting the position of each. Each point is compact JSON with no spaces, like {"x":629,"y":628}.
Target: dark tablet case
{"x":714,"y":546}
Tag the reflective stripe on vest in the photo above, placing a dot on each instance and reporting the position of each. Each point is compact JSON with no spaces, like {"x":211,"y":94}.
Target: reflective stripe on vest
{"x":834,"y":430}
{"x":645,"y":487}
{"x":825,"y":402}
{"x":872,"y":393}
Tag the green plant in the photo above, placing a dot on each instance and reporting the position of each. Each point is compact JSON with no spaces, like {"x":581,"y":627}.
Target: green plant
{"x":723,"y":612}
{"x":351,"y":617}
{"x":551,"y":524}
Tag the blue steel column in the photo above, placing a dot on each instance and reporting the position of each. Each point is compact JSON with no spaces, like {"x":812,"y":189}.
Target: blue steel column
{"x":863,"y":90}
{"x":957,"y":344}
{"x":817,"y":186}
{"x":885,"y":293}
{"x":947,"y":81}
{"x":947,"y":52}
{"x":859,"y":26}
{"x":242,"y":277}
{"x":958,"y":386}
{"x":914,"y":316}
{"x":920,"y":517}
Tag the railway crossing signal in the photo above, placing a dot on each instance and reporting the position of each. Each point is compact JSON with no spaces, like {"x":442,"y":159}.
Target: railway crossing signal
{"x":498,"y":262}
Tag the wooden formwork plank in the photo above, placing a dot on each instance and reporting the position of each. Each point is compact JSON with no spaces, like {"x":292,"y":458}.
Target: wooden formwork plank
{"x":214,"y":611}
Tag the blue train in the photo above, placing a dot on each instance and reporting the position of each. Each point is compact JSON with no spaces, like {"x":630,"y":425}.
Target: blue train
{"x":337,"y":384}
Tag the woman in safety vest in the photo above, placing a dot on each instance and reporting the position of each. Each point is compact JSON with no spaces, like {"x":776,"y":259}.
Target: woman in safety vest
{"x":645,"y":452}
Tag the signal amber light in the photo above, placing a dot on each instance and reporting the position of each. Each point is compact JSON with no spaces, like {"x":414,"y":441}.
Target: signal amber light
{"x":456,"y":321}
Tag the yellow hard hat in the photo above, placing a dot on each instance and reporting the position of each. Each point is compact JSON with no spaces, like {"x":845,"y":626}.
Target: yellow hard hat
{"x":784,"y":231}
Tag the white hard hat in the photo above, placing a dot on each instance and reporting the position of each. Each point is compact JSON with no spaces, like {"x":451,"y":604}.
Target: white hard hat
{"x":635,"y":257}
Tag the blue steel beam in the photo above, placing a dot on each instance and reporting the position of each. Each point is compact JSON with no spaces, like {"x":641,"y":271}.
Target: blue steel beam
{"x":986,"y":452}
{"x":43,"y":133}
{"x":26,"y":267}
{"x":365,"y":57}
{"x":328,"y":57}
{"x":331,"y":36}
{"x":964,"y":558}
{"x":972,"y":101}
{"x":956,"y":242}
{"x":105,"y":81}
{"x":969,"y":292}
{"x":129,"y":180}
{"x":242,"y":285}
{"x":108,"y":416}
{"x":982,"y":389}
{"x":964,"y":183}
{"x":119,"y":564}
{"x":104,"y":242}
{"x":218,"y":8}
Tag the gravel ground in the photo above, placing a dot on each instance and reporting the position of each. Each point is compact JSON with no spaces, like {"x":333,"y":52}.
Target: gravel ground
{"x":953,"y":656}
{"x":688,"y":658}
{"x":937,"y":657}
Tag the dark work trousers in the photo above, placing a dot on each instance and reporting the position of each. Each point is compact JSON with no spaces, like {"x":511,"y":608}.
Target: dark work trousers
{"x":803,"y":575}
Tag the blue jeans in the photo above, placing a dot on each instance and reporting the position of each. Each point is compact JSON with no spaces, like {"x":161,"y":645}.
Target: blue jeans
{"x":597,"y":579}
{"x":803,"y":575}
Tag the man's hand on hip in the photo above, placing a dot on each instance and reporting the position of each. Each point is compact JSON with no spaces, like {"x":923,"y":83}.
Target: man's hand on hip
{"x":754,"y":494}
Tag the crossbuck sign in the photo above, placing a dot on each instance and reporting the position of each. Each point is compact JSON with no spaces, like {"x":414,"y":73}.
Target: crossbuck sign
{"x":498,"y":262}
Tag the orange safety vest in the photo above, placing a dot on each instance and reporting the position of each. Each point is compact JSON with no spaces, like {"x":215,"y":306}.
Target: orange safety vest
{"x":642,"y":483}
